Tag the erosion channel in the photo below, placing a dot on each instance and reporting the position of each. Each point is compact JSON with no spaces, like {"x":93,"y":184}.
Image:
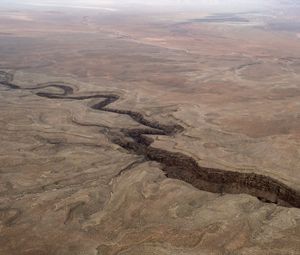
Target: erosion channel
{"x":175,"y":165}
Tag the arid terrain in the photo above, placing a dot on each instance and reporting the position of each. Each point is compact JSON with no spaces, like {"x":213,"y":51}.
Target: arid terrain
{"x":149,"y":130}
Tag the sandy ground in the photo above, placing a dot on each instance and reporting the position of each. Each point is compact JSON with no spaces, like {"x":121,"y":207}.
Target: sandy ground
{"x":65,"y":188}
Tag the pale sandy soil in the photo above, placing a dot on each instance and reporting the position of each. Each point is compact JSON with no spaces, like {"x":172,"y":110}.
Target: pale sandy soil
{"x":65,"y":188}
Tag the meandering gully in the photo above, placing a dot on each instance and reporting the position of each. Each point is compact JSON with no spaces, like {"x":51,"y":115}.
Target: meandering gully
{"x":175,"y":165}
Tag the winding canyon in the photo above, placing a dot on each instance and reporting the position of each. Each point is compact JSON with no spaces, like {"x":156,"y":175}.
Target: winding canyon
{"x":175,"y":165}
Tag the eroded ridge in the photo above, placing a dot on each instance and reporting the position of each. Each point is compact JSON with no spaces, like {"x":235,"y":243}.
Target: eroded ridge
{"x":175,"y":165}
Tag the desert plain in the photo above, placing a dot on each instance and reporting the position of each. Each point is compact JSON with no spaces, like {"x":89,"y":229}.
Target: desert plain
{"x":149,"y":131}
